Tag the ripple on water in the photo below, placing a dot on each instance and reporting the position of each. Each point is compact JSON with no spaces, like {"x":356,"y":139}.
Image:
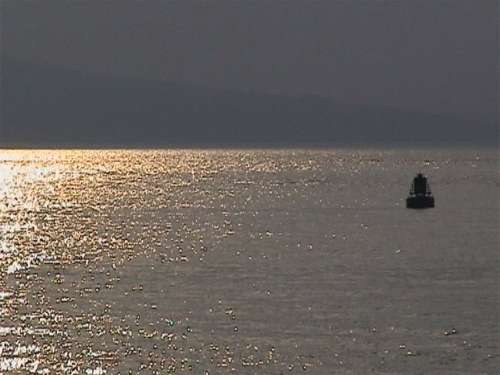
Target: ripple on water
{"x":110,"y":259}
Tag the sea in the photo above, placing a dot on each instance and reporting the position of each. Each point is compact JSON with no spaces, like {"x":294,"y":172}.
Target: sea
{"x":293,"y":261}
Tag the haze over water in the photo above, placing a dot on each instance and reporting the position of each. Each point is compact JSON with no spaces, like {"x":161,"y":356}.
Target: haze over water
{"x":248,"y":262}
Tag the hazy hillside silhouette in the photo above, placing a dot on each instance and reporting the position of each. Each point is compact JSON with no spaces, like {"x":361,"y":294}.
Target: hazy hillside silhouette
{"x":51,"y":106}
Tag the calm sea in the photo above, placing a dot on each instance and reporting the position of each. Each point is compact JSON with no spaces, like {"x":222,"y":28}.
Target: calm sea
{"x":248,"y":262}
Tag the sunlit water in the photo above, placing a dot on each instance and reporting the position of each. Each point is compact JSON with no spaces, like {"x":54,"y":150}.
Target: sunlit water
{"x":247,"y":262}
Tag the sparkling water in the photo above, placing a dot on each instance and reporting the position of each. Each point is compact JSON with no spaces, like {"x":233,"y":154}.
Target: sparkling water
{"x":248,"y":262}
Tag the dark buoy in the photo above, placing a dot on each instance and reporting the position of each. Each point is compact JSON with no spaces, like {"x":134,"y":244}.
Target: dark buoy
{"x":420,"y":193}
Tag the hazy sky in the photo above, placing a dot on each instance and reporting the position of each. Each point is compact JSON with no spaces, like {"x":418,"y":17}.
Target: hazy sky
{"x":434,"y":56}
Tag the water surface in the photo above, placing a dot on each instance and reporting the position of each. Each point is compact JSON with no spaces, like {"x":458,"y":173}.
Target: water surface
{"x":248,"y":262}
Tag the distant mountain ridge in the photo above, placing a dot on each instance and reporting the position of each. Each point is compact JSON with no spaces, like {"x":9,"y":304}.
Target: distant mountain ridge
{"x":51,"y":106}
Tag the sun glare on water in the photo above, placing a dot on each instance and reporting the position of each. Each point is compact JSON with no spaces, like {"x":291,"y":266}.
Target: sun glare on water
{"x":159,"y":261}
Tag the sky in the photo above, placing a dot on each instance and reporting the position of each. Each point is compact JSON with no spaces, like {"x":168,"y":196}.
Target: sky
{"x":431,"y":56}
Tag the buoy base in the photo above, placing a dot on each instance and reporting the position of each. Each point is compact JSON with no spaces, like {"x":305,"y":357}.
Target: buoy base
{"x":420,"y":202}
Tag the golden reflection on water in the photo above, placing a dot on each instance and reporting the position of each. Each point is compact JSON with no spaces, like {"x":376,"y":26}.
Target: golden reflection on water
{"x":39,"y":190}
{"x":87,"y":208}
{"x":162,"y":262}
